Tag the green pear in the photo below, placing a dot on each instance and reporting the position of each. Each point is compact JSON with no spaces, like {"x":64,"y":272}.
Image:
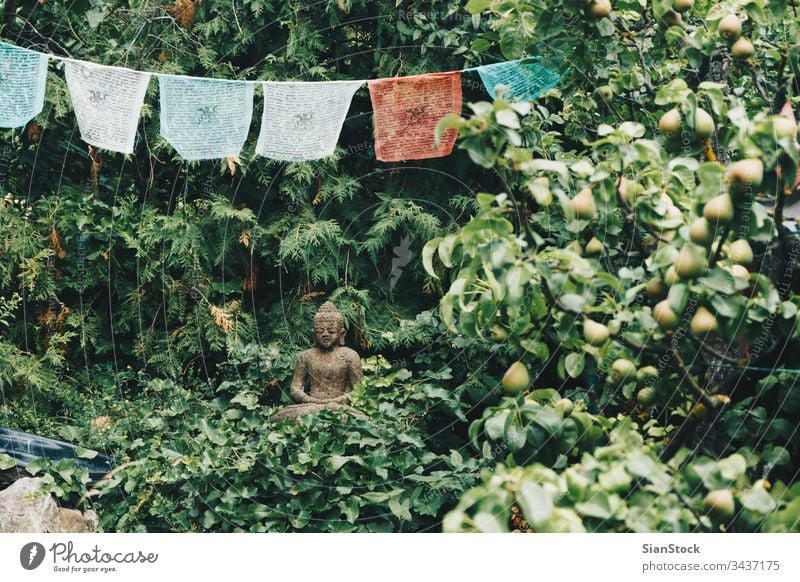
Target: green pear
{"x":719,"y":210}
{"x":730,"y":27}
{"x":663,"y":314}
{"x":740,"y":272}
{"x":671,"y":276}
{"x":703,"y":124}
{"x":646,"y":396}
{"x":690,"y":262}
{"x":719,"y":505}
{"x":594,"y":333}
{"x":599,"y":9}
{"x":656,"y":289}
{"x":516,"y":379}
{"x":594,"y":247}
{"x":742,"y":48}
{"x":700,"y":232}
{"x":584,"y":205}
{"x":703,"y":322}
{"x":646,"y":373}
{"x":682,"y":5}
{"x":670,"y":123}
{"x":623,"y":370}
{"x":740,"y":252}
{"x":746,"y":174}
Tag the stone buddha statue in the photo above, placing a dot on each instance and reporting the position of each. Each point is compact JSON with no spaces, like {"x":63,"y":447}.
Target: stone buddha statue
{"x":329,"y":369}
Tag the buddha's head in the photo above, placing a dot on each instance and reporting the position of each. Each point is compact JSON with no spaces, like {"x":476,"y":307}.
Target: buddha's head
{"x":328,"y":327}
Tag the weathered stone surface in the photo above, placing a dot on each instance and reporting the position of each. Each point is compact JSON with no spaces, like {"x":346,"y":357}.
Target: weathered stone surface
{"x":295,"y":411}
{"x":25,"y":508}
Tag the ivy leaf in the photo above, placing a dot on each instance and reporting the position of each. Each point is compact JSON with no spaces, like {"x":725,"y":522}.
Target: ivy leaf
{"x":85,"y":453}
{"x":535,"y":502}
{"x":477,"y":6}
{"x":7,"y":462}
{"x":574,"y":363}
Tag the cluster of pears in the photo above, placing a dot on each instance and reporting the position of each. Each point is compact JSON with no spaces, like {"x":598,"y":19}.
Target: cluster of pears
{"x":692,"y":262}
{"x":730,"y":28}
{"x":670,"y":124}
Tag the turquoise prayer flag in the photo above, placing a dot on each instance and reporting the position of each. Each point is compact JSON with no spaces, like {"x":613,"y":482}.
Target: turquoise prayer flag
{"x":23,"y":76}
{"x":524,"y":80}
{"x":205,"y":119}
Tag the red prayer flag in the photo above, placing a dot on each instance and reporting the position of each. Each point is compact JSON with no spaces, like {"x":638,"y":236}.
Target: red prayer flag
{"x":407,"y":110}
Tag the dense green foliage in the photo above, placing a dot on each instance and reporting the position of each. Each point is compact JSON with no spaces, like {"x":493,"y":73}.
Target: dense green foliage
{"x":152,"y":308}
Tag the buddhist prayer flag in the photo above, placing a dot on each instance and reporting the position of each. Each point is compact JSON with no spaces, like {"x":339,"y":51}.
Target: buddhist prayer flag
{"x":524,"y":80}
{"x":302,"y":121}
{"x":107,"y":103}
{"x":406,"y":112}
{"x":23,"y":76}
{"x":205,"y":118}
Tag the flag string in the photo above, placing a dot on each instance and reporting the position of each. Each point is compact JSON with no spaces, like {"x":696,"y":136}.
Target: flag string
{"x":209,"y":118}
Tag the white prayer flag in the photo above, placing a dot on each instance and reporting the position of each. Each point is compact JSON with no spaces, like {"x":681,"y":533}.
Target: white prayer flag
{"x":205,"y":118}
{"x":107,"y":103}
{"x":23,"y":77}
{"x":302,"y":121}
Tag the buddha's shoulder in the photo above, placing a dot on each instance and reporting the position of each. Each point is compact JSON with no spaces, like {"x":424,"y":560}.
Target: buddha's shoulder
{"x":349,"y":353}
{"x":309,"y":353}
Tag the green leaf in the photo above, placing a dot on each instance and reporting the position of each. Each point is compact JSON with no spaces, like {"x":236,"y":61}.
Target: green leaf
{"x":495,"y":425}
{"x":85,"y":453}
{"x":572,"y":302}
{"x":574,"y":363}
{"x":535,"y":502}
{"x":211,"y":433}
{"x":6,"y":462}
{"x":678,"y":296}
{"x":488,"y":523}
{"x":335,"y":462}
{"x":477,"y":6}
{"x":427,"y":256}
{"x":757,"y":499}
{"x":507,"y":118}
{"x":449,"y":121}
{"x":598,"y":505}
{"x":95,"y":17}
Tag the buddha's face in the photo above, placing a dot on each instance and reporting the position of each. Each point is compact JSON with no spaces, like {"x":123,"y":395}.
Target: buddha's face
{"x":326,"y":334}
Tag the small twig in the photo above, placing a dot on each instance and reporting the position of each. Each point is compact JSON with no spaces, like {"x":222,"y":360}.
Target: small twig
{"x":681,"y":365}
{"x":780,"y":85}
{"x":107,"y":477}
{"x":719,"y":355}
{"x":636,"y":347}
{"x":758,"y":82}
{"x":725,"y":231}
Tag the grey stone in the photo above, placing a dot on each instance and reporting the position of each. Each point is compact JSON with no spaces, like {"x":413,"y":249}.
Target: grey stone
{"x":26,"y":508}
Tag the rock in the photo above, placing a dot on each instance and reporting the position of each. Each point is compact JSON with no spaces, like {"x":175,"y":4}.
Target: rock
{"x":25,"y":508}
